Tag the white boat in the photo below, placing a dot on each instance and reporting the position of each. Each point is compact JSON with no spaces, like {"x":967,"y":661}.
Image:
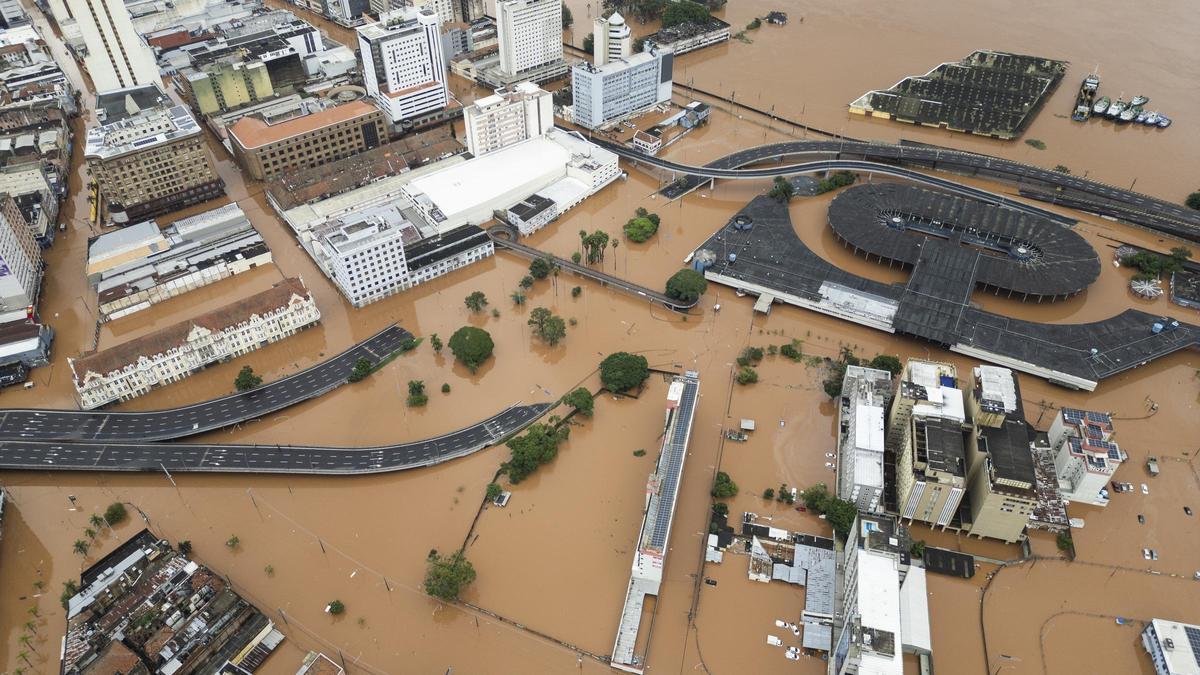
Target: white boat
{"x":1151,"y":118}
{"x":1140,"y":100}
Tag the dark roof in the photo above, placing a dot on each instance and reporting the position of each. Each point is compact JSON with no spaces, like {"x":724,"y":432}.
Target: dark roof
{"x":773,"y":256}
{"x":1008,"y":446}
{"x":531,"y":206}
{"x":138,"y":541}
{"x":114,"y":103}
{"x":944,"y":446}
{"x":950,"y":563}
{"x":1002,"y":248}
{"x":992,"y":93}
{"x":429,"y":251}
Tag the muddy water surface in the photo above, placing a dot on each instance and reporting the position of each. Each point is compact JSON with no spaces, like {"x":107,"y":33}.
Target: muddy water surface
{"x":377,"y":531}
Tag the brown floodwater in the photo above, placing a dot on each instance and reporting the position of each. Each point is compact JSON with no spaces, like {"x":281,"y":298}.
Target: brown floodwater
{"x":557,"y":558}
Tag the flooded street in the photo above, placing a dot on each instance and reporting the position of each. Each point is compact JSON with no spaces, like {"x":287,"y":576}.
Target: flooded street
{"x":557,"y":558}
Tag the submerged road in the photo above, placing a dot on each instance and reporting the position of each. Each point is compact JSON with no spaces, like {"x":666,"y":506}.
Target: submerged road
{"x":285,"y":459}
{"x":883,"y":158}
{"x":172,"y":423}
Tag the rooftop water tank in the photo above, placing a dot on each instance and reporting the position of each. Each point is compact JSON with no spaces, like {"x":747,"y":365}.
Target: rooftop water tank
{"x":1156,"y":328}
{"x":733,"y":259}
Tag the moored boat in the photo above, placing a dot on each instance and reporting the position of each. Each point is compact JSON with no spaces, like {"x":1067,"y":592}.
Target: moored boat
{"x":1140,"y":100}
{"x":1163,"y":121}
{"x":1101,"y":106}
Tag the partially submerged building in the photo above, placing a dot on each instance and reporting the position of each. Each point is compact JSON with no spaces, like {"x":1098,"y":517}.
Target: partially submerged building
{"x":145,"y":608}
{"x":622,"y":87}
{"x":662,"y":489}
{"x":866,"y":393}
{"x":987,"y":93}
{"x":925,"y":426}
{"x":885,"y":610}
{"x":137,"y":266}
{"x":148,"y":155}
{"x":1174,"y":647}
{"x":171,"y":354}
{"x":1086,"y":454}
{"x":561,"y":166}
{"x":267,"y":149}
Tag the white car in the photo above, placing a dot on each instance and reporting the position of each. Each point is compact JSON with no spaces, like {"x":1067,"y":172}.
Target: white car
{"x":1146,"y":553}
{"x":1145,"y":489}
{"x":828,"y":455}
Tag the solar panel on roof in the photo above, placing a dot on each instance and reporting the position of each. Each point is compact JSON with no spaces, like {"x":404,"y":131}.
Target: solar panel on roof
{"x":1193,"y":636}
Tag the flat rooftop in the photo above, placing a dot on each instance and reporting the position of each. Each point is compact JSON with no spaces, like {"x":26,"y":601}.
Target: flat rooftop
{"x":988,"y":93}
{"x":463,"y":186}
{"x":1008,"y":446}
{"x":770,"y":257}
{"x":252,"y":132}
{"x":1004,"y":249}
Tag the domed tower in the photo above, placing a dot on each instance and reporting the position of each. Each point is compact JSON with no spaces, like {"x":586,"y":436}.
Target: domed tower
{"x":611,"y":39}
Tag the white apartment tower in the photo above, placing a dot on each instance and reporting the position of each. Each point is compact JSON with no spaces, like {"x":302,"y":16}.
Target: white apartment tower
{"x":530,"y":34}
{"x":117,"y":56}
{"x":611,"y":39}
{"x":510,"y":116}
{"x":402,"y":63}
{"x":445,"y":9}
{"x":1085,"y":454}
{"x":20,"y":263}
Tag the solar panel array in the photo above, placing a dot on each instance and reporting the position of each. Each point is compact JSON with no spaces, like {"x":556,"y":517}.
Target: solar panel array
{"x":672,"y":466}
{"x":1193,"y":636}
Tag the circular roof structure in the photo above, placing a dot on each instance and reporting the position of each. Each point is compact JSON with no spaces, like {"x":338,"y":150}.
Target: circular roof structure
{"x":1017,"y":252}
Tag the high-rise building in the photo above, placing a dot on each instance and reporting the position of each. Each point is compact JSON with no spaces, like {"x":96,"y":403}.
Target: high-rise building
{"x":148,"y":155}
{"x":117,"y":56}
{"x":866,"y":393}
{"x":510,"y":116}
{"x":530,"y":35}
{"x":885,"y":609}
{"x":1001,"y":480}
{"x":471,"y":10}
{"x":446,"y":10}
{"x":20,"y":263}
{"x":611,"y":39}
{"x":622,"y":87}
{"x":403,"y":66}
{"x":1086,"y":456}
{"x":925,"y":432}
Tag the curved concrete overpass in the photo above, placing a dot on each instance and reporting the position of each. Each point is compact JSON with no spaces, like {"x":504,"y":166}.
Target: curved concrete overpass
{"x":262,"y":459}
{"x":172,"y":423}
{"x":883,"y":158}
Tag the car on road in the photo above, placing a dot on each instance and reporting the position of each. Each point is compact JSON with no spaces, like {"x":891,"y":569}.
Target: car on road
{"x":1145,"y":489}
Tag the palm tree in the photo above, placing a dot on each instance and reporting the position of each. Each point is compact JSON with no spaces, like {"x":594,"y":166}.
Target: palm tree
{"x":80,"y":547}
{"x":91,"y":534}
{"x":24,"y":656}
{"x":32,"y":611}
{"x":31,"y":626}
{"x":97,"y":520}
{"x":25,"y":640}
{"x":39,"y":584}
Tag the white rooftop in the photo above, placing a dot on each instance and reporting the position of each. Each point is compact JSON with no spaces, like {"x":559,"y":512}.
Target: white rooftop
{"x":997,"y":384}
{"x":914,"y":612}
{"x":946,"y":404}
{"x":879,"y":609}
{"x":868,"y":427}
{"x":490,"y":177}
{"x":1181,"y":658}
